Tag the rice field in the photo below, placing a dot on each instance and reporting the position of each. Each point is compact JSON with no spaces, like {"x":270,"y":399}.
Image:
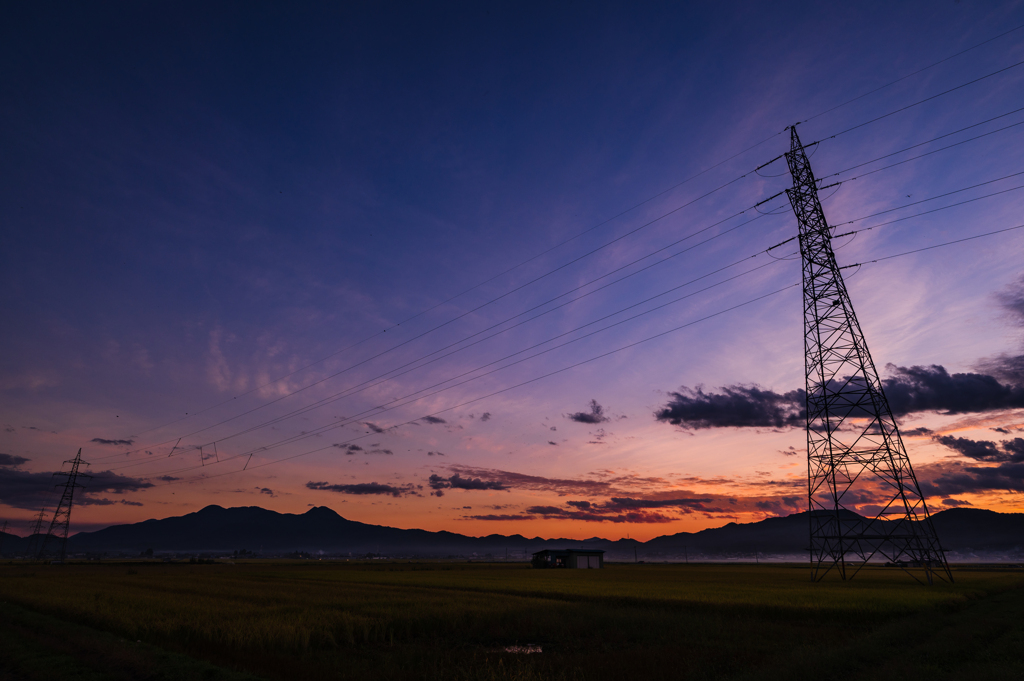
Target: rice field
{"x":386,"y":620}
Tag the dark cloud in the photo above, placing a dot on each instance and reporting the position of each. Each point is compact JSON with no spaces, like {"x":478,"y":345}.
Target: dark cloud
{"x":781,"y":506}
{"x":917,"y":432}
{"x":363,"y":488}
{"x":599,"y":516}
{"x":535,"y":482}
{"x":348,"y":449}
{"x":908,"y":390}
{"x":736,"y":406}
{"x":433,"y":419}
{"x":932,"y":388}
{"x":168,"y":478}
{"x":499,"y":516}
{"x":486,"y":416}
{"x":1010,"y":451}
{"x":388,"y":452}
{"x":966,"y":479}
{"x":594,"y":416}
{"x":954,"y":503}
{"x":373,"y":426}
{"x":103,"y":441}
{"x":11,"y":460}
{"x":267,"y":491}
{"x":435,"y":453}
{"x":22,"y":489}
{"x":456,"y":481}
{"x":552,"y":443}
{"x":621,"y":503}
{"x":1008,"y":368}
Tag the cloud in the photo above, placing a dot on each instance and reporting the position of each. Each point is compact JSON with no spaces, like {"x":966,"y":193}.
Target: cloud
{"x":932,"y":388}
{"x":373,"y":426}
{"x":1010,"y":451}
{"x":433,"y":419}
{"x":1006,"y":367}
{"x":736,"y":406}
{"x":486,"y":416}
{"x":594,"y":416}
{"x":954,"y":503}
{"x":458,"y":482}
{"x":907,"y":389}
{"x":967,"y":479}
{"x":11,"y":460}
{"x":586,"y":515}
{"x":103,"y":441}
{"x":917,"y":432}
{"x":168,"y":478}
{"x":363,"y":488}
{"x":535,"y":482}
{"x":499,"y":516}
{"x":388,"y":452}
{"x":435,"y":453}
{"x":22,"y":489}
{"x":348,"y":449}
{"x":267,"y":491}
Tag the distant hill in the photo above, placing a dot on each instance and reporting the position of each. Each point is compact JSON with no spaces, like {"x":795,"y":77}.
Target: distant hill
{"x":965,"y":533}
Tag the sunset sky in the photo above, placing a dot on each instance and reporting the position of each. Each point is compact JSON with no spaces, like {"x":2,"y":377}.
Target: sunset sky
{"x":495,"y":267}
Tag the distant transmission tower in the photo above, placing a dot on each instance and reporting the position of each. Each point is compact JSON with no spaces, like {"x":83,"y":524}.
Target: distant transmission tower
{"x":34,"y":537}
{"x":62,"y":516}
{"x":854,"y":449}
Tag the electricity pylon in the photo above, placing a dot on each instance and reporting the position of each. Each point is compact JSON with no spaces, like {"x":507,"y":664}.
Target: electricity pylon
{"x":855,"y":455}
{"x":62,"y":516}
{"x":34,"y":537}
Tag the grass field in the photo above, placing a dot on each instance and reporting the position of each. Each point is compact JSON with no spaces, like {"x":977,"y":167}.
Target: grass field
{"x":305,"y":620}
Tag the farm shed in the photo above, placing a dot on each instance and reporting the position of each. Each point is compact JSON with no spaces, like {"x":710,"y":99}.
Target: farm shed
{"x":568,"y":558}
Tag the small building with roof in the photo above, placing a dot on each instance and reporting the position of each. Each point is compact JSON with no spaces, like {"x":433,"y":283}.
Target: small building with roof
{"x":579,"y":559}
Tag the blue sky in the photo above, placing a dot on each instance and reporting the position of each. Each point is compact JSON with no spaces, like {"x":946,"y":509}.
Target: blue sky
{"x":199,"y":201}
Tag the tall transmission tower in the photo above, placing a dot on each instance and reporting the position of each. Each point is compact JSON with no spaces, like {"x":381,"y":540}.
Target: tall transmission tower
{"x":62,"y":516}
{"x":854,"y":450}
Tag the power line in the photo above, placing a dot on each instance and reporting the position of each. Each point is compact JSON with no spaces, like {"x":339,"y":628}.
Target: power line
{"x":928,"y":248}
{"x":926,"y":99}
{"x":471,"y":311}
{"x":590,"y":229}
{"x":513,"y":387}
{"x":572,"y":366}
{"x":934,"y":139}
{"x":377,"y":409}
{"x":921,"y":70}
{"x":355,"y":389}
{"x":482,"y":331}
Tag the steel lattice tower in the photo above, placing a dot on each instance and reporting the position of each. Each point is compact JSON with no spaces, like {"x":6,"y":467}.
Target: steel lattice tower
{"x":62,"y":516}
{"x":36,"y":531}
{"x":854,"y":449}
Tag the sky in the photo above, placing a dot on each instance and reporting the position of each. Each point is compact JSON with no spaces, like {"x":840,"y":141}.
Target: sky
{"x":495,"y":267}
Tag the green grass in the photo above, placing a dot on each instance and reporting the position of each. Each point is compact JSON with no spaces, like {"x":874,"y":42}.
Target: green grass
{"x":451,"y":621}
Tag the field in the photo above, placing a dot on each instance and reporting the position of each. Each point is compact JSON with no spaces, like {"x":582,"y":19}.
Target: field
{"x":385,"y":620}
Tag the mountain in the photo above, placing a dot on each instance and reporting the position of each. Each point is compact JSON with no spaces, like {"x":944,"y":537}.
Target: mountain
{"x":966,"y":534}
